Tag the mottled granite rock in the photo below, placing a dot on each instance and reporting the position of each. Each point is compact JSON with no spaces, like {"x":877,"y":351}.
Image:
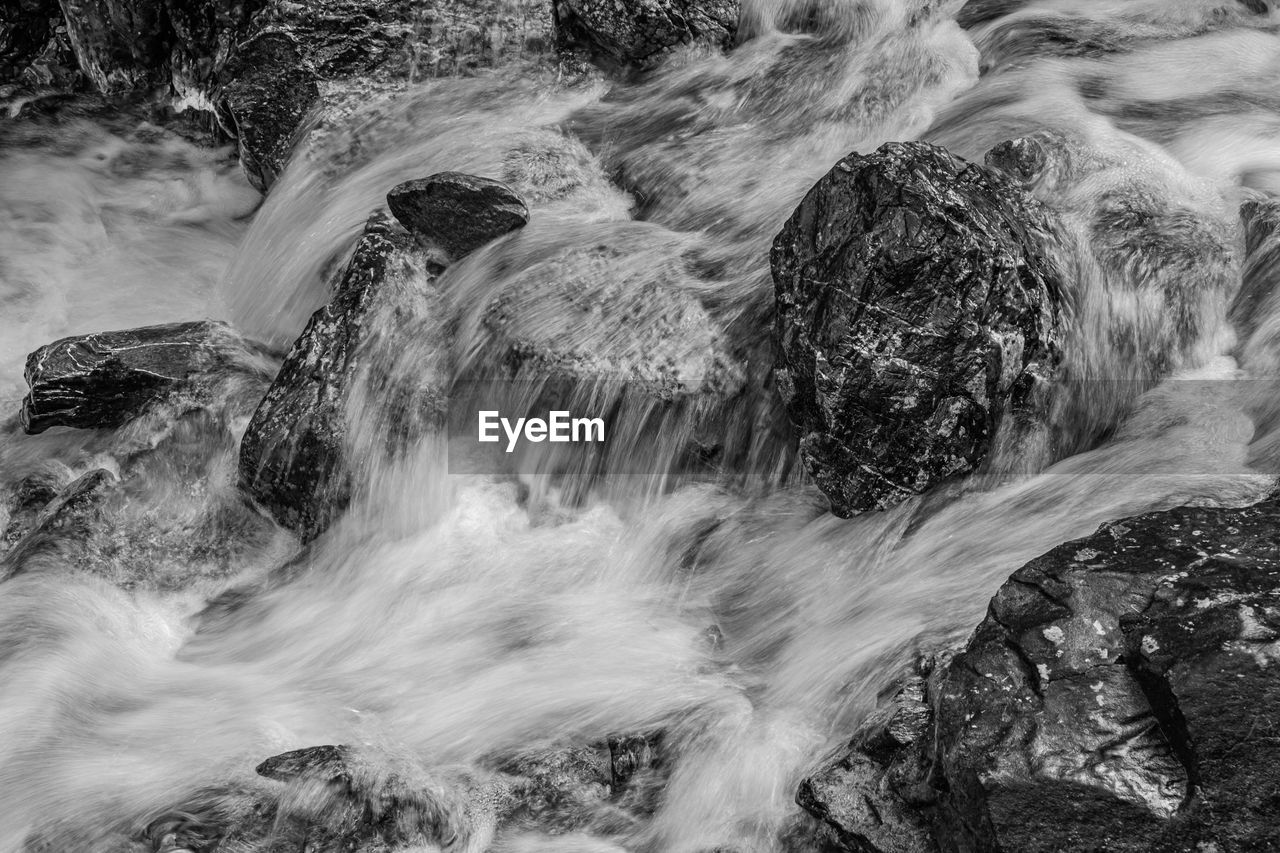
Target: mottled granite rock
{"x":640,"y":32}
{"x":917,"y":310}
{"x":457,"y":213}
{"x":1119,"y":696}
{"x":106,"y":378}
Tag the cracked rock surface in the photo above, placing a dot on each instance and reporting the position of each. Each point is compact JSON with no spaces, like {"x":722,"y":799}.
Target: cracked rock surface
{"x":1121,"y":695}
{"x":917,"y":313}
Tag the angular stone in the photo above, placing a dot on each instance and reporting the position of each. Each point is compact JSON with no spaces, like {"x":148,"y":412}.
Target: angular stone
{"x":296,"y":455}
{"x":120,"y":44}
{"x":641,"y":32}
{"x":267,"y":93}
{"x":104,"y":379}
{"x":916,"y":313}
{"x":456,"y":212}
{"x":1118,"y":696}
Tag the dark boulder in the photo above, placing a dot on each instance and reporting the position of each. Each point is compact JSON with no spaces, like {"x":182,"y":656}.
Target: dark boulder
{"x":268,"y":92}
{"x":640,"y":32}
{"x":916,"y":311}
{"x":1119,"y":696}
{"x":120,"y":44}
{"x":457,"y":213}
{"x":106,"y":378}
{"x":296,"y":456}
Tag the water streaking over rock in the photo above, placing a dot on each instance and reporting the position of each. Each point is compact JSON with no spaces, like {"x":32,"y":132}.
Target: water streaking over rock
{"x":651,"y":650}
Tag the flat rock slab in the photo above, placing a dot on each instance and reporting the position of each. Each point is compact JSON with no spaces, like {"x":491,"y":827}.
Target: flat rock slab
{"x":456,"y":212}
{"x":105,"y":379}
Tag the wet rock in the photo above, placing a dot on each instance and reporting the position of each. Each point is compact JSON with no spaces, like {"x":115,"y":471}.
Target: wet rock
{"x":337,"y":799}
{"x":621,"y":310}
{"x":106,"y":378}
{"x":1115,"y":698}
{"x":456,"y":212}
{"x":916,"y":312}
{"x":640,"y":32}
{"x":120,"y":44}
{"x":66,"y":521}
{"x":204,"y":37}
{"x":268,"y":93}
{"x":31,"y":495}
{"x":297,"y":454}
{"x":34,"y":48}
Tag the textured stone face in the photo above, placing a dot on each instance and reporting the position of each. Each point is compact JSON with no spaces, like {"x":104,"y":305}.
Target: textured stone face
{"x":916,"y":310}
{"x":121,"y":44}
{"x":641,"y":32}
{"x":1119,"y":695}
{"x":295,"y":456}
{"x":269,"y":91}
{"x":456,"y":212}
{"x":104,"y":379}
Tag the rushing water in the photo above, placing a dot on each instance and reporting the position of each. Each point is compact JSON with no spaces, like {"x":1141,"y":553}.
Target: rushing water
{"x":447,"y":624}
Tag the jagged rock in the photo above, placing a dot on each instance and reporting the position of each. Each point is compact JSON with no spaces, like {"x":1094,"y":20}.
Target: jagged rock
{"x":34,"y":48}
{"x":296,"y":455}
{"x":106,"y":378}
{"x":641,"y":32}
{"x":204,"y":35}
{"x":120,"y":44}
{"x":268,"y":92}
{"x":68,"y":517}
{"x":1117,"y":697}
{"x":916,"y":311}
{"x":456,"y":212}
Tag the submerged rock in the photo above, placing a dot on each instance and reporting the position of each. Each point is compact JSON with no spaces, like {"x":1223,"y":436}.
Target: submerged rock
{"x":106,"y":378}
{"x":916,"y":311}
{"x":456,"y":212}
{"x":1116,"y":697}
{"x":296,"y":456}
{"x":68,"y":517}
{"x":641,"y":32}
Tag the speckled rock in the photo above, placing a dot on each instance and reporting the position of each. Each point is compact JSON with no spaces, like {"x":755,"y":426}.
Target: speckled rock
{"x":267,"y":93}
{"x":1117,"y":697}
{"x":296,"y":455}
{"x":106,"y":378}
{"x":457,"y":213}
{"x":641,"y":32}
{"x":916,"y":312}
{"x":204,"y":35}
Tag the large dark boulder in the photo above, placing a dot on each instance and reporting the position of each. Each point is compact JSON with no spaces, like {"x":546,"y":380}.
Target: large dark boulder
{"x":640,"y":32}
{"x":1119,"y":696}
{"x":457,"y":213}
{"x":917,"y":312}
{"x":106,"y":378}
{"x":296,"y":457}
